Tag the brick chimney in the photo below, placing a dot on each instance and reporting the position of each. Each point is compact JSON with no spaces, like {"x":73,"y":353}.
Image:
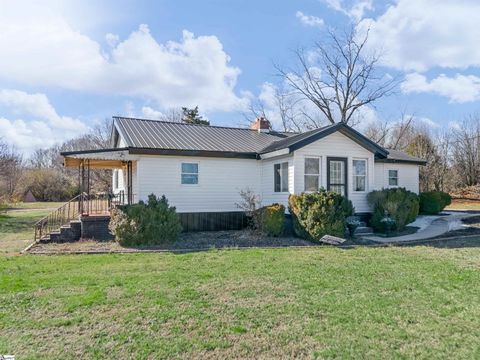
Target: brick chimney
{"x":261,"y":124}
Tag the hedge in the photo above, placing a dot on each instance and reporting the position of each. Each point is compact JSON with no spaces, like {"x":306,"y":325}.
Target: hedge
{"x":271,"y":219}
{"x":151,"y":223}
{"x":398,"y":204}
{"x":320,"y":213}
{"x":433,"y":202}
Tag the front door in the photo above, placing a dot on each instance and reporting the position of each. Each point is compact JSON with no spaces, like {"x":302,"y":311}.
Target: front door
{"x":337,"y":175}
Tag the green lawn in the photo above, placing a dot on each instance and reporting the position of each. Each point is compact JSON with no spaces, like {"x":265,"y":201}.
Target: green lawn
{"x":16,"y":225}
{"x":382,"y":303}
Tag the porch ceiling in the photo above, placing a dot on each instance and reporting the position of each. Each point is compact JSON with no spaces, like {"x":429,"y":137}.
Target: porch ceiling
{"x":94,"y":163}
{"x":98,"y":159}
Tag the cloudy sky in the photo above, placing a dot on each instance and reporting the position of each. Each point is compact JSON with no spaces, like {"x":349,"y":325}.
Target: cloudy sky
{"x":66,"y":65}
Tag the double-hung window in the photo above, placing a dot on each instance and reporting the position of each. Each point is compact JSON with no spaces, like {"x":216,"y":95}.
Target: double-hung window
{"x":359,"y":175}
{"x":281,"y":177}
{"x":189,"y":173}
{"x":392,"y":177}
{"x":312,"y":174}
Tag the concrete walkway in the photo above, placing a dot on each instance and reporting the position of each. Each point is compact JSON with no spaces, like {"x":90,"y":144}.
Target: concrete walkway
{"x":430,"y":226}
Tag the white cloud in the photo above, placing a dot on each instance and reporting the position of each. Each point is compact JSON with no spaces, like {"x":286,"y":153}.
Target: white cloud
{"x":44,"y":50}
{"x":153,"y":114}
{"x":112,"y":39}
{"x":45,"y":126}
{"x":418,"y":35}
{"x":459,"y":89}
{"x":354,"y":10}
{"x":309,"y":20}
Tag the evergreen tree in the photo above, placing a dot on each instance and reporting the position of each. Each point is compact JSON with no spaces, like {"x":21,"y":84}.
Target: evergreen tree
{"x":191,"y":116}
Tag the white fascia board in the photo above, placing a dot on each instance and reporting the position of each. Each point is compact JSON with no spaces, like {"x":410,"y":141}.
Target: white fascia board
{"x":272,"y":154}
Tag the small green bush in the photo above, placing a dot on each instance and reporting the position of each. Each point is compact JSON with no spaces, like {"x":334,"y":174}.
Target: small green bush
{"x":320,"y":213}
{"x":140,"y":224}
{"x":399,"y":204}
{"x":433,"y":202}
{"x":272,"y":219}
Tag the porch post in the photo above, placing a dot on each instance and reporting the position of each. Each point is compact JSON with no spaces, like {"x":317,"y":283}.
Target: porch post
{"x":82,"y":185}
{"x":129,"y":183}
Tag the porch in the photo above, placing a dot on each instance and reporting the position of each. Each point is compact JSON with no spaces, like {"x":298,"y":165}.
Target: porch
{"x":87,"y":214}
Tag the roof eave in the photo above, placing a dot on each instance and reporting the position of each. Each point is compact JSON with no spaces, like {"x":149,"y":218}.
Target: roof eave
{"x":398,"y":161}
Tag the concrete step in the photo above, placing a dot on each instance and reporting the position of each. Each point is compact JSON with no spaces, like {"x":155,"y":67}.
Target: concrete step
{"x":363,"y":230}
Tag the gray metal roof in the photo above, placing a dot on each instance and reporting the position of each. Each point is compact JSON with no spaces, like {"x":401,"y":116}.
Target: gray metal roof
{"x":163,"y":135}
{"x":400,"y":156}
{"x":291,"y":140}
{"x":152,"y":134}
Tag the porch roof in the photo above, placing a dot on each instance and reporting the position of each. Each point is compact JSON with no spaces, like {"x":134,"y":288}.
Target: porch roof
{"x":97,"y":159}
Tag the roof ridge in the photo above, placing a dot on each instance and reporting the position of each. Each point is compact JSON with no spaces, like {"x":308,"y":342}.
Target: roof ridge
{"x":198,"y":125}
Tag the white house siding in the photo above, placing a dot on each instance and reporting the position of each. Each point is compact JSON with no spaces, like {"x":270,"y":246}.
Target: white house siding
{"x":336,"y":145}
{"x":407,"y":175}
{"x":220,"y":181}
{"x":122,"y":181}
{"x":269,"y":196}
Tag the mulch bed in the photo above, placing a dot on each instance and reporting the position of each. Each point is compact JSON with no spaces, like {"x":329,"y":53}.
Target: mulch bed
{"x":199,"y":241}
{"x":188,"y":241}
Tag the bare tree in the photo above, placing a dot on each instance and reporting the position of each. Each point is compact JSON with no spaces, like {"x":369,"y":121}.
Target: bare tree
{"x":338,"y":76}
{"x":466,"y":152}
{"x":11,"y":169}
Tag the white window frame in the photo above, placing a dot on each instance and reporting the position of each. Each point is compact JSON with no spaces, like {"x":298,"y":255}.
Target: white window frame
{"x":388,"y":177}
{"x":366,"y":175}
{"x":281,"y":177}
{"x":197,"y":173}
{"x":319,"y":158}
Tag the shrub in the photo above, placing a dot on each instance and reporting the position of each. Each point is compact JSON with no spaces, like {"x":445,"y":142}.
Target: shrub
{"x":433,"y":202}
{"x":250,"y":203}
{"x":399,"y":204}
{"x":271,"y":219}
{"x":152,"y":223}
{"x":320,"y":213}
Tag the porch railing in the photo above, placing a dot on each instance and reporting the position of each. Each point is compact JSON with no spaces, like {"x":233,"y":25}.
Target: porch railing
{"x":80,"y":205}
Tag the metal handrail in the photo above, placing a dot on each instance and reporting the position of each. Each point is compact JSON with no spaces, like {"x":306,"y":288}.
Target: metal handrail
{"x":81,"y":205}
{"x":61,"y":216}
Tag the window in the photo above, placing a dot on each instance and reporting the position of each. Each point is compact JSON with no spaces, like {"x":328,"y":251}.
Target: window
{"x":281,"y":177}
{"x":393,"y":177}
{"x":189,"y":173}
{"x":312,"y":174}
{"x":359,"y":175}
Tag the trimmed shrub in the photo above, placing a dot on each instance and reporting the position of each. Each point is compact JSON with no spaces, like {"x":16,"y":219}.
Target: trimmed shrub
{"x":433,"y":202}
{"x":399,"y":204}
{"x":151,"y":223}
{"x":320,"y":213}
{"x":271,"y":219}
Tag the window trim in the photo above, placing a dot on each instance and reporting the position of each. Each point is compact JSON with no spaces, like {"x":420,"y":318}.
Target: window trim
{"x":281,"y":191}
{"x":198,"y":173}
{"x":319,"y":158}
{"x":388,"y":177}
{"x":366,"y":176}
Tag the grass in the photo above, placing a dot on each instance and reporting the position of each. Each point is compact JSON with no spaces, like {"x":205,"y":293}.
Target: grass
{"x":464,"y":204}
{"x":16,"y":225}
{"x":417,"y":302}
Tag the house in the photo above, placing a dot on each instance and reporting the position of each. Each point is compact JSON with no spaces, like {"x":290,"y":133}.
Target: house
{"x":201,"y":169}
